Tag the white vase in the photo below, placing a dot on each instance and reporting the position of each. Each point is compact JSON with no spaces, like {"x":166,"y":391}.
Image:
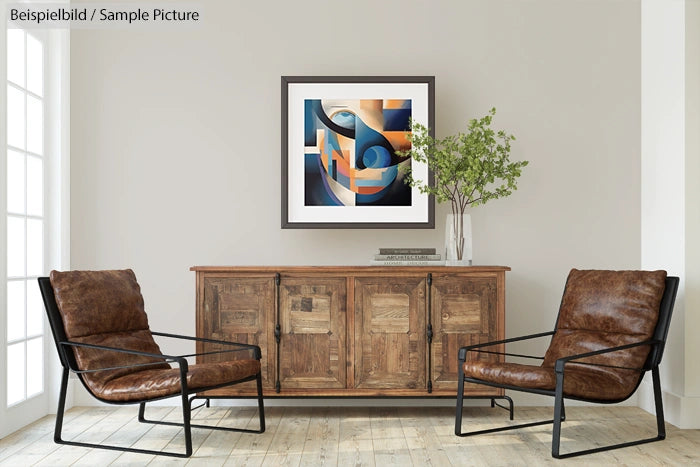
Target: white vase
{"x":458,"y":240}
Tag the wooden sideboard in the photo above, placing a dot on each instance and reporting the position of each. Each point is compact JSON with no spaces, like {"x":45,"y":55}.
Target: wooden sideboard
{"x":353,"y":330}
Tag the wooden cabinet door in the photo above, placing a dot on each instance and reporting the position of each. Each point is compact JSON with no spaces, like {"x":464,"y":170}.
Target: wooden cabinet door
{"x":238,"y":309}
{"x":312,"y":323}
{"x":390,"y":332}
{"x":464,"y":312}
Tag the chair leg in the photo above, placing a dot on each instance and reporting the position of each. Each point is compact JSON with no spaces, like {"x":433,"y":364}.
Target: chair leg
{"x":186,"y":419}
{"x":658,"y":402}
{"x":261,"y":404}
{"x":460,"y":401}
{"x":460,"y":406}
{"x":61,"y":408}
{"x":510,"y":404}
{"x":142,"y":412}
{"x":186,"y":424}
{"x":558,"y":414}
{"x":59,"y":426}
{"x":563,"y":411}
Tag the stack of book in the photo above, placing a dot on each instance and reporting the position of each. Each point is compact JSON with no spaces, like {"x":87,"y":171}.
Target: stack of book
{"x":407,"y":257}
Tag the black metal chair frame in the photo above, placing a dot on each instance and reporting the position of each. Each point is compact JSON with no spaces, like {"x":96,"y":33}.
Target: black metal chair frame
{"x":69,"y":365}
{"x":657,"y":344}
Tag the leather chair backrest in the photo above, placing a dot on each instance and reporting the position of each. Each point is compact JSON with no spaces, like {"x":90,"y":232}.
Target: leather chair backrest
{"x":602,"y":309}
{"x":105,"y":308}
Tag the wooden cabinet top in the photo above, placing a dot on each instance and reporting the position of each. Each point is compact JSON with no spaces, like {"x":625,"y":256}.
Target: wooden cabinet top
{"x":349,"y":269}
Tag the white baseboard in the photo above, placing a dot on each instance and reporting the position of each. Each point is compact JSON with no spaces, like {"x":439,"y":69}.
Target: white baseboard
{"x":679,"y":411}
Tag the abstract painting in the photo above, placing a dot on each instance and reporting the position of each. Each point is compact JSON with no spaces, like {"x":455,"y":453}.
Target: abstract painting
{"x":350,"y":152}
{"x":340,"y":138}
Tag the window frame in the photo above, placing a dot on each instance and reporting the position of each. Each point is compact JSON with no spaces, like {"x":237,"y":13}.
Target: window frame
{"x":55,"y":212}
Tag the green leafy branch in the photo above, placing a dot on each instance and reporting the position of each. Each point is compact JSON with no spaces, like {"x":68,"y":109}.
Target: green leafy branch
{"x":469,"y":168}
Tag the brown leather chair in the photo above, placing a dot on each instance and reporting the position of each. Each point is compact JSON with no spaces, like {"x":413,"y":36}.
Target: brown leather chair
{"x":101,"y":331}
{"x":611,"y":330}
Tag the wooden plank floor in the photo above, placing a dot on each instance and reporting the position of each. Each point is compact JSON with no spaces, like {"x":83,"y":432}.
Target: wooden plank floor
{"x":357,"y":436}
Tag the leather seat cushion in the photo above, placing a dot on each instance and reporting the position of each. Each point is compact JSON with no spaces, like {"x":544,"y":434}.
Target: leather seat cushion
{"x":147,"y":384}
{"x":93,"y":359}
{"x":582,"y":381}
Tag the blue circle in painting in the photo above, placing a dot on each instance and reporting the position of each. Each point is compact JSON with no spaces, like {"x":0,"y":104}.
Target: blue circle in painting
{"x":344,"y":119}
{"x":376,"y":157}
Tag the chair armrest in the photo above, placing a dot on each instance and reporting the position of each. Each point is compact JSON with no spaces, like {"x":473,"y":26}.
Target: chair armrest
{"x":559,"y":364}
{"x":463,"y":351}
{"x":255,"y":348}
{"x":165,"y":358}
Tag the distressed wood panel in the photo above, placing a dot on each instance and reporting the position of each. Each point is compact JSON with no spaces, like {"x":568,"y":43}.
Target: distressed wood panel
{"x":464,"y":312}
{"x":461,"y":313}
{"x":238,"y":309}
{"x":389,"y":312}
{"x":312,"y":345}
{"x":390,"y":332}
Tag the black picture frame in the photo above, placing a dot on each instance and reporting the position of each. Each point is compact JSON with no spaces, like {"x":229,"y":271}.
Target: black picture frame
{"x":299,"y":92}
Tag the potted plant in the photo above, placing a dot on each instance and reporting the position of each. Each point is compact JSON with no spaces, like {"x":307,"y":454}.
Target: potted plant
{"x":469,"y":169}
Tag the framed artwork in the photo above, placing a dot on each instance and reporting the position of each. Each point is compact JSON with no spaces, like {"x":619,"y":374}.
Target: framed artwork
{"x":340,"y":135}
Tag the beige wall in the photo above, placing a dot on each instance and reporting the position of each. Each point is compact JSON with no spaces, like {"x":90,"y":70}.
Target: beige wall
{"x":175,"y":137}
